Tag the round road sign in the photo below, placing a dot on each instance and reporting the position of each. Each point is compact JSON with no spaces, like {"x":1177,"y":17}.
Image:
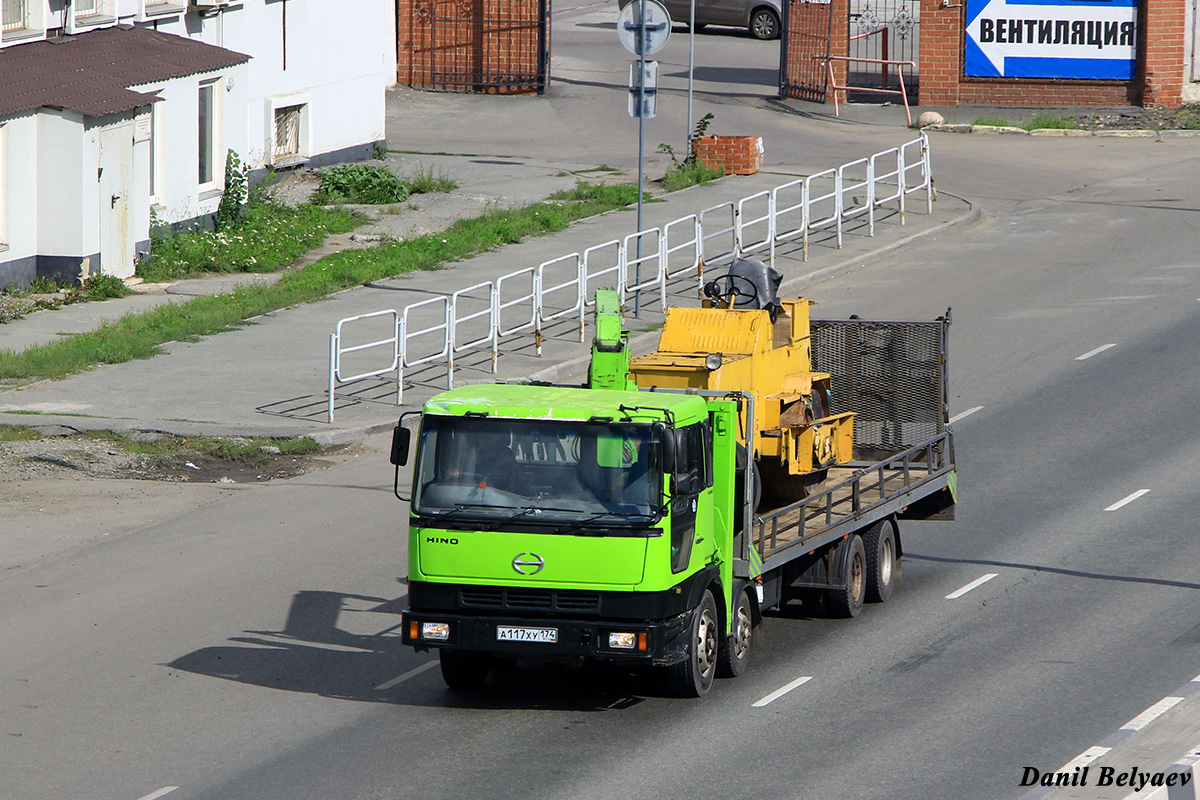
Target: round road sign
{"x":657,"y":27}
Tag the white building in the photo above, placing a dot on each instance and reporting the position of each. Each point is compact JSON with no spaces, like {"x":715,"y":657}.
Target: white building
{"x":113,"y":109}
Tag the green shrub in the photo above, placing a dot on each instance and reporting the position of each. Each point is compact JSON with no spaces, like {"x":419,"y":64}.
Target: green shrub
{"x":43,"y":285}
{"x":230,"y":210}
{"x":104,"y":287}
{"x":361,"y":183}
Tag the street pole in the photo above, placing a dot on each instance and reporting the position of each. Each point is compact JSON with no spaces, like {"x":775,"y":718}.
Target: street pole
{"x":637,"y":296}
{"x":691,"y":70}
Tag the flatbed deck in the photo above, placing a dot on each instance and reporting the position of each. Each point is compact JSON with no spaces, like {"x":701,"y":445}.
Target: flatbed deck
{"x":857,"y":494}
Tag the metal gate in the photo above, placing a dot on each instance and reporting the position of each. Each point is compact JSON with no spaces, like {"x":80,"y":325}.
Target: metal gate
{"x":489,"y":46}
{"x":885,"y":30}
{"x":807,"y":28}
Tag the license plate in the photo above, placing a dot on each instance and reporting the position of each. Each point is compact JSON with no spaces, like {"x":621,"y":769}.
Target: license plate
{"x":507,"y":634}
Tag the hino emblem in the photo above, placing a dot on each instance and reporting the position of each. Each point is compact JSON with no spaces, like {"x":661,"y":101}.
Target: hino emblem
{"x":528,"y":563}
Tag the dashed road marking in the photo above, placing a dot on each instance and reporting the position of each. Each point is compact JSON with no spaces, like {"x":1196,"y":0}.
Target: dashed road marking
{"x":964,"y":414}
{"x":1127,"y":500}
{"x":1097,"y":351}
{"x":972,"y":585}
{"x":160,"y":793}
{"x":412,"y":673}
{"x":778,"y":693}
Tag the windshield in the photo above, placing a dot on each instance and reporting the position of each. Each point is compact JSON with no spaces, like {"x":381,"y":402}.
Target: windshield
{"x":532,"y":472}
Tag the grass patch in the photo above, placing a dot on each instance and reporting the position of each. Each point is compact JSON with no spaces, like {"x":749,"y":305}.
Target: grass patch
{"x":371,"y":184}
{"x":993,"y":122}
{"x":267,"y":237}
{"x":46,"y":294}
{"x":1039,"y":121}
{"x":688,"y":174}
{"x":141,"y":335}
{"x":230,"y":449}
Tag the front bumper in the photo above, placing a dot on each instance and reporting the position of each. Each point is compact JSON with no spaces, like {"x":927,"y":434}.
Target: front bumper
{"x":665,"y":642}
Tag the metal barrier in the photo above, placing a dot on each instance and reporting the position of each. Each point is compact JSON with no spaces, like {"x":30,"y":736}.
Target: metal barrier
{"x":885,"y":62}
{"x":517,"y":302}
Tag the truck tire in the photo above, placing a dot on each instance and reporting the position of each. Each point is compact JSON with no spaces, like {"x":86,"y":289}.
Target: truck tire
{"x":847,"y":600}
{"x":462,"y":670}
{"x":734,"y":654}
{"x":693,"y":676}
{"x":883,"y":561}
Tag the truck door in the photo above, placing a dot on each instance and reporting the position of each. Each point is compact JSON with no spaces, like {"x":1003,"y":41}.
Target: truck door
{"x":693,"y":474}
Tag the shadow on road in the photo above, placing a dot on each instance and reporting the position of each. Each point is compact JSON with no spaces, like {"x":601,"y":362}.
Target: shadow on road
{"x":314,"y":655}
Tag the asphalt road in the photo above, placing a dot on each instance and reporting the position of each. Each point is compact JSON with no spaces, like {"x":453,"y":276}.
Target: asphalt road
{"x":243,"y":649}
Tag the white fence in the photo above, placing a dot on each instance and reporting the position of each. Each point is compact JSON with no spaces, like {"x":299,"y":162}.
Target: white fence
{"x":559,"y":289}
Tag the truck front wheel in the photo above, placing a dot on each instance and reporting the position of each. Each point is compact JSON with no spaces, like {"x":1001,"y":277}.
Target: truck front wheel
{"x":693,"y":676}
{"x":461,"y":670}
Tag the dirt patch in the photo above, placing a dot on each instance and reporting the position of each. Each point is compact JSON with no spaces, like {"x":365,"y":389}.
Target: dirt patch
{"x":71,"y":456}
{"x":1149,"y":119}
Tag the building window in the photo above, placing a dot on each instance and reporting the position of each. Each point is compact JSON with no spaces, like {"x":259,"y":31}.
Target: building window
{"x":287,"y":132}
{"x":88,"y":8}
{"x":14,"y":14}
{"x":207,"y":129}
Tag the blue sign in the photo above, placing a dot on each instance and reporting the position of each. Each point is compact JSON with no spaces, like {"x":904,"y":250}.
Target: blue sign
{"x":1087,"y":39}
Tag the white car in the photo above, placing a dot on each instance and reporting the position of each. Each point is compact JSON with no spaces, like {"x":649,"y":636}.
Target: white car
{"x":761,"y":17}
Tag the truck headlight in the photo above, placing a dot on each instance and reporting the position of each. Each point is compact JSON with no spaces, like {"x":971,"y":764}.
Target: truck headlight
{"x":435,"y":631}
{"x":622,"y":641}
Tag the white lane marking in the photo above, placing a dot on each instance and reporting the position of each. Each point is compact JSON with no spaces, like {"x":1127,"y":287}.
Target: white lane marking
{"x":966,"y":413}
{"x":1127,"y":500}
{"x":1195,"y":679}
{"x":412,"y":673}
{"x":1085,"y":758}
{"x":972,"y":585}
{"x":778,"y":693}
{"x":163,"y":791}
{"x":1150,"y":714}
{"x":1098,"y":350}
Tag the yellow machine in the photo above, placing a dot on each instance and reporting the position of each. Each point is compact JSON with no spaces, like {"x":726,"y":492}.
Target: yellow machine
{"x":793,"y":437}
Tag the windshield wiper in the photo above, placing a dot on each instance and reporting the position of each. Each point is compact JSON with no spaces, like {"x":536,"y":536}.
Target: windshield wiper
{"x":524,"y":512}
{"x":578,"y":524}
{"x":457,"y":509}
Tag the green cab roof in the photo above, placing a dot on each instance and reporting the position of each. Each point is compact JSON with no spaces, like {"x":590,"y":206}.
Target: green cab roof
{"x":523,"y":401}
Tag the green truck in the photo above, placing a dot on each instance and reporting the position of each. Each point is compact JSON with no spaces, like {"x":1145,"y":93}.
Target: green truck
{"x":653,"y":515}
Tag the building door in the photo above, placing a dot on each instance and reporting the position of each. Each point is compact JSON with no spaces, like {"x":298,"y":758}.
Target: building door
{"x":117,"y":236}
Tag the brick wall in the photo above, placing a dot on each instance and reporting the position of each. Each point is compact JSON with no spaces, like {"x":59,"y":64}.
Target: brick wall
{"x":740,"y":155}
{"x":1159,"y":82}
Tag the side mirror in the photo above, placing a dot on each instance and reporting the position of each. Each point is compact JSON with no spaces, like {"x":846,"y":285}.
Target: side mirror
{"x":401,"y":437}
{"x":666,"y":437}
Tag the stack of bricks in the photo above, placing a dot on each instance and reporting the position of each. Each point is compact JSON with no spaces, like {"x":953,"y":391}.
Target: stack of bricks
{"x":1159,"y":82}
{"x":740,"y":155}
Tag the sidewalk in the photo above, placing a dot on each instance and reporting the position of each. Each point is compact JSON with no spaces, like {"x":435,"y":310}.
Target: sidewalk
{"x":270,"y":377}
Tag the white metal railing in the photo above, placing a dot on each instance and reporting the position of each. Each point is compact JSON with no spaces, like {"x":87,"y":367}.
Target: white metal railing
{"x":485,"y":314}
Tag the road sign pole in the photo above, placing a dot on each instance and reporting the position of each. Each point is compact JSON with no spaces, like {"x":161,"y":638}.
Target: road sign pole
{"x":637,"y":295}
{"x":691,"y":71}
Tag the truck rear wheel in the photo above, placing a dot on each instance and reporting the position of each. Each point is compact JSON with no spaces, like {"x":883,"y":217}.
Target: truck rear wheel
{"x":461,"y":670}
{"x":847,"y":600}
{"x":693,"y":676}
{"x":735,"y":649}
{"x":883,"y":563}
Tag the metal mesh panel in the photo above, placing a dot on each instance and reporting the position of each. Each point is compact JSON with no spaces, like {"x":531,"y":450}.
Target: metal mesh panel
{"x":890,"y":374}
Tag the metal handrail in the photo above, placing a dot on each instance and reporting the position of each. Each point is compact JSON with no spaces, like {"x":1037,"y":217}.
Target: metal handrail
{"x":716,"y":235}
